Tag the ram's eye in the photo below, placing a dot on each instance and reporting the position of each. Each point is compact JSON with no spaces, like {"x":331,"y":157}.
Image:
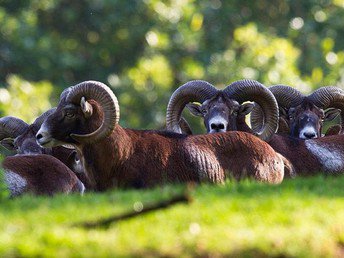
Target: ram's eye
{"x":69,"y":114}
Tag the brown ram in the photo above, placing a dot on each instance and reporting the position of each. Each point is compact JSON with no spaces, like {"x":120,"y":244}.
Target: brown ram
{"x":222,"y":109}
{"x":302,"y":115}
{"x":87,"y":117}
{"x":18,"y":136}
{"x":39,"y":174}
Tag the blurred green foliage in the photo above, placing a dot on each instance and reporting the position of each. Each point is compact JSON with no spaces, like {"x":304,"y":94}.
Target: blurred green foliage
{"x":24,"y":99}
{"x":146,"y":49}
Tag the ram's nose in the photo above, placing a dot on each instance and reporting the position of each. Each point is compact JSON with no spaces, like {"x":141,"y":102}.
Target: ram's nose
{"x":43,"y":136}
{"x":39,"y":136}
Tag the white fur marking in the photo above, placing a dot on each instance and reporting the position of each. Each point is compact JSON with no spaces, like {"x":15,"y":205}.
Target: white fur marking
{"x":16,"y":184}
{"x":78,"y":167}
{"x":218,"y":120}
{"x":330,"y":158}
{"x":82,"y":191}
{"x":307,"y":130}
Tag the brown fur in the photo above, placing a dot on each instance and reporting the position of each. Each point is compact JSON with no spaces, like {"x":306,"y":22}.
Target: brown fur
{"x":303,"y":161}
{"x":45,"y":175}
{"x":133,"y":158}
{"x":26,"y":144}
{"x":141,"y":159}
{"x":294,"y":150}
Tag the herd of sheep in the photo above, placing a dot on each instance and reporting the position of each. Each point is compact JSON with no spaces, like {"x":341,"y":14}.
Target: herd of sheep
{"x":79,"y":144}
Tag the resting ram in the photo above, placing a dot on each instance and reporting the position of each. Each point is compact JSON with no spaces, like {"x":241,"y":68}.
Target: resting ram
{"x":311,"y":156}
{"x":87,"y":117}
{"x":18,"y":136}
{"x":39,"y":174}
{"x":225,"y":109}
{"x":303,"y":116}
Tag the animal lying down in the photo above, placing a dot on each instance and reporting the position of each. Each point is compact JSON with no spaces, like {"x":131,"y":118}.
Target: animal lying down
{"x":40,"y":175}
{"x":87,"y":117}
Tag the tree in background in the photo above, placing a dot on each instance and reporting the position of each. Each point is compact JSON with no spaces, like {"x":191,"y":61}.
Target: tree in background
{"x":145,"y":49}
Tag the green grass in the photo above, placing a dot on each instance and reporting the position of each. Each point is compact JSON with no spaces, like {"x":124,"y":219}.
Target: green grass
{"x":299,"y":218}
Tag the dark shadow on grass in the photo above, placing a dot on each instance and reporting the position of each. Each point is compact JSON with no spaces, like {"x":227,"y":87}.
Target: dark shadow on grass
{"x":139,"y":210}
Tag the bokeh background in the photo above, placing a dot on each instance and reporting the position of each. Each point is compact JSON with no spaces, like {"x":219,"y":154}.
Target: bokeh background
{"x":145,"y":49}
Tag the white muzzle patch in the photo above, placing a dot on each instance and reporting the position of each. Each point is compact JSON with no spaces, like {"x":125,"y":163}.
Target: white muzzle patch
{"x":308,"y":133}
{"x":217,"y":124}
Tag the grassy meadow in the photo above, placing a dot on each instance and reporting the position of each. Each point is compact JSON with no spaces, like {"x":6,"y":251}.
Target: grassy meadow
{"x":303,"y":217}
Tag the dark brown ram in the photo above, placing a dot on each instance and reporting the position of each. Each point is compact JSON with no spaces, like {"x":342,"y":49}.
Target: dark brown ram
{"x":221,"y":109}
{"x":39,"y":174}
{"x":18,"y":136}
{"x":87,"y":117}
{"x":302,"y":115}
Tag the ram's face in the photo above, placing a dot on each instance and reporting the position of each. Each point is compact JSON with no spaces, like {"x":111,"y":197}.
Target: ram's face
{"x":57,"y":128}
{"x":306,"y":120}
{"x":219,"y":113}
{"x":26,"y":143}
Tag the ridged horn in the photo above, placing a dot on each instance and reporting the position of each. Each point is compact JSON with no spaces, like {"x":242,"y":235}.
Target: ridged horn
{"x":286,"y":98}
{"x":192,"y":91}
{"x":330,"y":96}
{"x":184,"y":125}
{"x":103,"y":95}
{"x":11,"y":127}
{"x":250,"y":90}
{"x":39,"y":120}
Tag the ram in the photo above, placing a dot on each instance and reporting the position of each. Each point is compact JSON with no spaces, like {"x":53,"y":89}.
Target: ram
{"x":18,"y":136}
{"x":39,"y":174}
{"x":221,"y":109}
{"x":311,"y":156}
{"x":87,"y":117}
{"x":302,"y":115}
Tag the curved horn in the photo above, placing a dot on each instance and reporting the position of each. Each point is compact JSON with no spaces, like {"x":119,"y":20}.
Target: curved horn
{"x":105,"y":98}
{"x":192,"y":91}
{"x":39,"y":120}
{"x":286,"y":98}
{"x":184,"y":125}
{"x":11,"y":127}
{"x":64,"y":93}
{"x":330,"y":96}
{"x":250,"y":90}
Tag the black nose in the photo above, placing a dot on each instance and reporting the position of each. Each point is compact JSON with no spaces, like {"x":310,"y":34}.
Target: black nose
{"x":218,"y":126}
{"x":309,"y":135}
{"x":39,"y":136}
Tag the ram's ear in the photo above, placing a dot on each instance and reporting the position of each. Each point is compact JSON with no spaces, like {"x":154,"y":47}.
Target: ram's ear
{"x":245,"y":109}
{"x":8,"y":143}
{"x":86,"y":107}
{"x":195,"y":109}
{"x":331,"y":114}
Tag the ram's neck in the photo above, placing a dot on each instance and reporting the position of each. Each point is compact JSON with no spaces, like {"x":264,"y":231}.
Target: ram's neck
{"x":101,"y":159}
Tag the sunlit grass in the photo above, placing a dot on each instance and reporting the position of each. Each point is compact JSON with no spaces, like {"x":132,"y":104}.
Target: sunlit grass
{"x":301,"y":217}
